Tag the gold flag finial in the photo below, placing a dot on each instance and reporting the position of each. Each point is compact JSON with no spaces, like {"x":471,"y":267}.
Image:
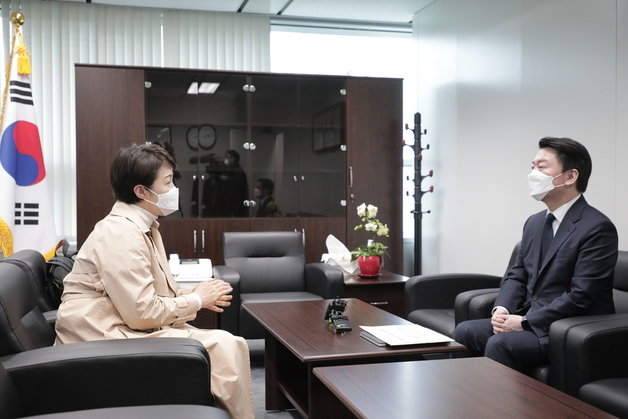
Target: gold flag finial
{"x":17,"y":18}
{"x":23,"y":59}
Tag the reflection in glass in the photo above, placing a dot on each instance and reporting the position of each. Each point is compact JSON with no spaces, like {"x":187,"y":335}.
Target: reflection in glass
{"x":263,"y":193}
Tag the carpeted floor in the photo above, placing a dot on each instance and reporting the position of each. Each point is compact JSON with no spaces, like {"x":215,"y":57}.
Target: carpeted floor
{"x":256,"y":348}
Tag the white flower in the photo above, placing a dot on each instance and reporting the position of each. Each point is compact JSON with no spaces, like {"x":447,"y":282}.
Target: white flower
{"x":382,"y":230}
{"x":362,"y":210}
{"x":370,"y":227}
{"x":372,"y":211}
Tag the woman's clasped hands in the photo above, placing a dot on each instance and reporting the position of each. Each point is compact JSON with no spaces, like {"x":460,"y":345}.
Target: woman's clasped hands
{"x":215,"y":294}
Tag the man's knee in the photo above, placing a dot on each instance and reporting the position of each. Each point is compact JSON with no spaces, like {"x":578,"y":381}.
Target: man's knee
{"x":497,"y":344}
{"x":461,"y":331}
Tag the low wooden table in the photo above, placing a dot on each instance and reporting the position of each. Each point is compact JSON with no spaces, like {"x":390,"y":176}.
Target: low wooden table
{"x":385,"y":292}
{"x":298,"y":340}
{"x":448,"y":388}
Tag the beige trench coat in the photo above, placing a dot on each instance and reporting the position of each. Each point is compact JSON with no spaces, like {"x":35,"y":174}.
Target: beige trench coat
{"x":121,"y":287}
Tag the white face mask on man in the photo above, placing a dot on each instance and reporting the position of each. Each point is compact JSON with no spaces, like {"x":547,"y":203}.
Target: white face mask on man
{"x":541,"y":184}
{"x":167,"y":202}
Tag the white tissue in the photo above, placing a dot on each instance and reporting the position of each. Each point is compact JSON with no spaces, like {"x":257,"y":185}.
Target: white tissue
{"x":338,"y":255}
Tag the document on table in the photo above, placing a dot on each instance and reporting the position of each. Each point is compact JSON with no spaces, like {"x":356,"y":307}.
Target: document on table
{"x":408,"y":334}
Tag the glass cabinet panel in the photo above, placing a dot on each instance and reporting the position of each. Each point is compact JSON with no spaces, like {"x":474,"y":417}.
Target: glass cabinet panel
{"x":224,"y":188}
{"x":251,"y":145}
{"x":201,"y":111}
{"x":273,"y":161}
{"x":322,"y":156}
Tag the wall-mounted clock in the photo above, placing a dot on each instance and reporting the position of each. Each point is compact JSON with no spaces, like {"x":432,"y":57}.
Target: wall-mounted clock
{"x":192,"y":137}
{"x":203,"y":136}
{"x":206,"y":136}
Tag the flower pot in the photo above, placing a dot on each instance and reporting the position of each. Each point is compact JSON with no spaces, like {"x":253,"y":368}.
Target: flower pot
{"x":369,"y":265}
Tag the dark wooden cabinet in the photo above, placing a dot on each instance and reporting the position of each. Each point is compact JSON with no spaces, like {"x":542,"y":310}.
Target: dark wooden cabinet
{"x":385,"y":292}
{"x":328,"y":142}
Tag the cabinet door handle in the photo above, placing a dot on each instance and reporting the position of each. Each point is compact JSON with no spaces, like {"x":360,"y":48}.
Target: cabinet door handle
{"x":379,"y":303}
{"x":350,"y":176}
{"x":203,"y":241}
{"x":194,"y":241}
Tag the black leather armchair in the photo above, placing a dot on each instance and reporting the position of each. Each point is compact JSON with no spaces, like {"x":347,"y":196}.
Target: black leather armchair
{"x":36,"y":378}
{"x":588,"y":354}
{"x":434,"y":300}
{"x":120,"y":378}
{"x":35,"y":269}
{"x":270,"y":267}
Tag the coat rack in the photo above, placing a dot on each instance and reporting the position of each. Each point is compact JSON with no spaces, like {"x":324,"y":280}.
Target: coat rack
{"x":418,"y":192}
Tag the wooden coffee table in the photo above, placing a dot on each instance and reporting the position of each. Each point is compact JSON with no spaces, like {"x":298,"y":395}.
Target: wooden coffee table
{"x":447,"y":388}
{"x":298,"y":340}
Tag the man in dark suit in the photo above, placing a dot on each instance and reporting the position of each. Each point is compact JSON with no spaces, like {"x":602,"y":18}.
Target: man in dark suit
{"x":565,"y":266}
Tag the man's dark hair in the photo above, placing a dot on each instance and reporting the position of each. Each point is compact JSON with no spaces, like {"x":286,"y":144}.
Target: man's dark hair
{"x":137,"y":165}
{"x":234,"y":154}
{"x":572,"y":155}
{"x":267,"y":184}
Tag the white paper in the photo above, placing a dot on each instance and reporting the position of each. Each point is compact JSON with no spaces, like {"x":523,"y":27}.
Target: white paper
{"x":338,"y":255}
{"x":408,"y":334}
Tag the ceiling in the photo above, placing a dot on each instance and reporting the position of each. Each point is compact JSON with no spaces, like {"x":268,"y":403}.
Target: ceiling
{"x":398,"y":12}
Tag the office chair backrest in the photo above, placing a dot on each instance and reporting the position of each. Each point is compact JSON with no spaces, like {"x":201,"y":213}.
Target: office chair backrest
{"x":22,"y":324}
{"x":34,"y":266}
{"x":620,"y":283}
{"x":268,"y":261}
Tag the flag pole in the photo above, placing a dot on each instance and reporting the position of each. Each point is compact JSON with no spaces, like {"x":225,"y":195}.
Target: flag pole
{"x":6,"y":236}
{"x":18,"y":19}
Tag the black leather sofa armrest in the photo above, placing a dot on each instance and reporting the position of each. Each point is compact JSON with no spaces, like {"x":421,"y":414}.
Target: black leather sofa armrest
{"x":227,"y":273}
{"x":440,"y":290}
{"x":324,"y":280}
{"x":230,"y":318}
{"x":587,"y":348}
{"x":474,"y":304}
{"x":111,"y":373}
{"x":51,"y":317}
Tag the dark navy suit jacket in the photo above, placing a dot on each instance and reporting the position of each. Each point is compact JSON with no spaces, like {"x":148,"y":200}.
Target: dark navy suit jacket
{"x":576,"y":277}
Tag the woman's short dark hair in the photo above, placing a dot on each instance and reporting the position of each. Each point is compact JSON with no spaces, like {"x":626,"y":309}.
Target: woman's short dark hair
{"x":137,"y":165}
{"x":572,"y":155}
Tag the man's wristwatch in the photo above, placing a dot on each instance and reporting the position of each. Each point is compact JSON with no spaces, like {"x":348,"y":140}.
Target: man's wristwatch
{"x":524,"y":323}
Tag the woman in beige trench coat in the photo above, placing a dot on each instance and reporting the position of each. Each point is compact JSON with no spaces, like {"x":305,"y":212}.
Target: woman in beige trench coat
{"x":121,"y":285}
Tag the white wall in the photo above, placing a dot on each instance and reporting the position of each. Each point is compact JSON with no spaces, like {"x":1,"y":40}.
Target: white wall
{"x":494,"y":76}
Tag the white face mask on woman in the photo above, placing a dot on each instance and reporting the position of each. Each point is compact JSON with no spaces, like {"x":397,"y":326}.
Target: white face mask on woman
{"x":540,"y":184}
{"x":167,"y":202}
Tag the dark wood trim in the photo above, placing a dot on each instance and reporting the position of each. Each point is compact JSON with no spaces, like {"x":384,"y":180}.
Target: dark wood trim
{"x":109,"y":115}
{"x":374,"y":132}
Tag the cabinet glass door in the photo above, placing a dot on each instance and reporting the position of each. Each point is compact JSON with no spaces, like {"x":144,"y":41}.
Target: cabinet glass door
{"x":321,"y":139}
{"x":272,"y":156}
{"x":170,"y":112}
{"x":223,"y":114}
{"x":198,"y":117}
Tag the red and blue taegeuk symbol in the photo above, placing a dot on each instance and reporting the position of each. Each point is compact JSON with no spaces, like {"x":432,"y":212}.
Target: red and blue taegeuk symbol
{"x":20,"y":153}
